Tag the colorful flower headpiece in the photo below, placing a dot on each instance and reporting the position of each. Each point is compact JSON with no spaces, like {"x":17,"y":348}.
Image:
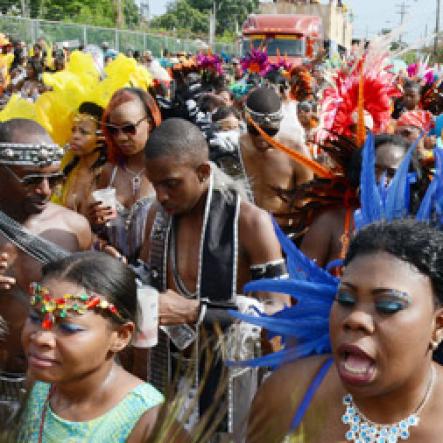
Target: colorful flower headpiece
{"x":55,"y":308}
{"x":420,"y":71}
{"x":256,"y":62}
{"x":210,"y":62}
{"x":282,"y":64}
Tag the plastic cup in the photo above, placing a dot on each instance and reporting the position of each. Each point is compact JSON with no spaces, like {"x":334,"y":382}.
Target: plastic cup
{"x":108,"y":197}
{"x":147,"y":336}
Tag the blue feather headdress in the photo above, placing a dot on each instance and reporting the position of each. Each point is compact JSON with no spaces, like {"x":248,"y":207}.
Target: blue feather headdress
{"x":304,"y":327}
{"x":390,"y":202}
{"x":381,"y":202}
{"x":307,"y":322}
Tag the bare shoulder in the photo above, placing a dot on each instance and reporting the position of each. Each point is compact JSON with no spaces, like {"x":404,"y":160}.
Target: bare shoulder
{"x":329,"y":218}
{"x":302,"y":173}
{"x":257,"y":238}
{"x":73,"y":222}
{"x":293,"y":142}
{"x":278,"y":398}
{"x":318,"y":232}
{"x":151,"y":427}
{"x":144,"y":427}
{"x":105,"y":175}
{"x":71,"y":218}
{"x":252,"y":216}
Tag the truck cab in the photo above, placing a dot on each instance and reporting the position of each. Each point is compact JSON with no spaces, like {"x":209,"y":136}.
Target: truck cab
{"x":296,"y":37}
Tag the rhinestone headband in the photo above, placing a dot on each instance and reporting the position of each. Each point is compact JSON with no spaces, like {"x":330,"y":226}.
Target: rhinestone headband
{"x":24,"y":154}
{"x":266,"y":120}
{"x":55,"y":308}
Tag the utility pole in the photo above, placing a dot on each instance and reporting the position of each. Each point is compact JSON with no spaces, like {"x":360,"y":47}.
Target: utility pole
{"x":212,"y":24}
{"x":403,"y":10}
{"x":120,"y":18}
{"x":24,"y":8}
{"x":437,"y":26}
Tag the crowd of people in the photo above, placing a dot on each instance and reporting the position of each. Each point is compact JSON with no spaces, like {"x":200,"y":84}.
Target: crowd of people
{"x":288,"y":215}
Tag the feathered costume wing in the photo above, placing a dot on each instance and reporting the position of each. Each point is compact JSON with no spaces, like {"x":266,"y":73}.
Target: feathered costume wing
{"x":304,"y":327}
{"x":79,"y":82}
{"x":366,"y":87}
{"x":306,"y":322}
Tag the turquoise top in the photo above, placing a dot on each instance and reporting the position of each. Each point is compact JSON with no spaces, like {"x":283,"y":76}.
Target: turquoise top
{"x":114,"y":426}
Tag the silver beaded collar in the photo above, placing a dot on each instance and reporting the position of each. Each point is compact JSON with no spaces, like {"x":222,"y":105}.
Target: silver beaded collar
{"x":363,"y":430}
{"x":27,"y":154}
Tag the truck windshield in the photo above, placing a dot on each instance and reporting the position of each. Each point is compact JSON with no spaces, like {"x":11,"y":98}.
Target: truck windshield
{"x":289,"y":47}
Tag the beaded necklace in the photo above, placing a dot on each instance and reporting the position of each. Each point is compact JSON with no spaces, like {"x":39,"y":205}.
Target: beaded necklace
{"x":363,"y":430}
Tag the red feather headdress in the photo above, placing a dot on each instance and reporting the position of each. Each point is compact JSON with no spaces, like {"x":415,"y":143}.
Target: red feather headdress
{"x":340,"y":101}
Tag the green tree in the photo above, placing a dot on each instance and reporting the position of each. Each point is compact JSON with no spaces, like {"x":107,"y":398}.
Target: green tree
{"x":230,"y":13}
{"x":132,"y":14}
{"x":181,"y":15}
{"x":94,"y":12}
{"x":33,"y":7}
{"x":193,"y":15}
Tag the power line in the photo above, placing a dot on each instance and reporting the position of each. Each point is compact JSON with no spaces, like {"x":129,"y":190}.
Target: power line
{"x":437,"y":26}
{"x":402,"y":12}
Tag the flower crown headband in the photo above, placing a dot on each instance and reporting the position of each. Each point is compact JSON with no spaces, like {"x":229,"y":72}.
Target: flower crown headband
{"x":55,"y":308}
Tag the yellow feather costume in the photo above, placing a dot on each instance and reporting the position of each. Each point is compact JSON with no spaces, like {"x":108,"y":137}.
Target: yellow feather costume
{"x":79,"y":82}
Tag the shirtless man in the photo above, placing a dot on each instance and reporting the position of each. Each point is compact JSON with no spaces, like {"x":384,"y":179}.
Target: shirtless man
{"x":203,"y":273}
{"x":29,"y":170}
{"x":271,"y":172}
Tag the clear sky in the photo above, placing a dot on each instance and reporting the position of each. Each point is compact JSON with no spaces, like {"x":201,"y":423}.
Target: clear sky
{"x":158,"y":6}
{"x":373,"y":15}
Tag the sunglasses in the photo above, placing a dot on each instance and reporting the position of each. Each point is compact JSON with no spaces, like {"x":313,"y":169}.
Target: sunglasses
{"x":268,"y":130}
{"x":33,"y":180}
{"x":128,"y":129}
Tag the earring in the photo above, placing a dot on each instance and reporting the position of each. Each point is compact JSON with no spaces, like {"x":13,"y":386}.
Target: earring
{"x":434,"y":345}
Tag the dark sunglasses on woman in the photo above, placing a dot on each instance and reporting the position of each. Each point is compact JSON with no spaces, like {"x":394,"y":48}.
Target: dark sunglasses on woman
{"x":128,"y":128}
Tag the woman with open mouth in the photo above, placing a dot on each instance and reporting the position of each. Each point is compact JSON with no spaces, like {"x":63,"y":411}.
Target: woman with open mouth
{"x":379,"y":384}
